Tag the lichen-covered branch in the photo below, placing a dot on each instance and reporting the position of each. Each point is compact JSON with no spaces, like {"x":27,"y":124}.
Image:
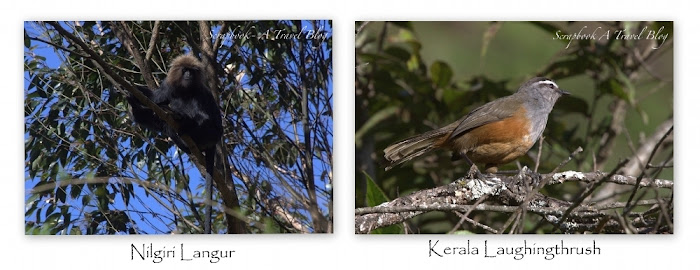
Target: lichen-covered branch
{"x":507,"y":193}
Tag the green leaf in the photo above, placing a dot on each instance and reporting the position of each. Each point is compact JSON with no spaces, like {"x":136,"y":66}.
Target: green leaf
{"x":75,"y":231}
{"x":27,"y":41}
{"x":374,"y":120}
{"x":36,"y":164}
{"x":50,"y":210}
{"x":631,"y":90}
{"x":31,"y":204}
{"x":75,"y":191}
{"x":61,"y":194}
{"x":270,"y":226}
{"x":52,"y":220}
{"x":398,"y":52}
{"x":613,"y":87}
{"x":440,"y":74}
{"x":86,"y":199}
{"x":375,"y":196}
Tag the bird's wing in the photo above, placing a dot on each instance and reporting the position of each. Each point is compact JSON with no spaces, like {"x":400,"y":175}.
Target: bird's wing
{"x":493,"y":111}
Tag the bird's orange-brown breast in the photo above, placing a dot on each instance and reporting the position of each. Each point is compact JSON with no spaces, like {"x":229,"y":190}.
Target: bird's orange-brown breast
{"x":496,"y":142}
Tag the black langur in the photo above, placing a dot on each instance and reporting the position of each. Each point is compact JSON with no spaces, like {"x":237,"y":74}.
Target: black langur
{"x":187,"y":99}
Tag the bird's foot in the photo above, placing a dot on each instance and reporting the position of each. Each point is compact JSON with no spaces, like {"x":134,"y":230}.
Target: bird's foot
{"x":480,"y":178}
{"x":528,"y":178}
{"x":474,"y":172}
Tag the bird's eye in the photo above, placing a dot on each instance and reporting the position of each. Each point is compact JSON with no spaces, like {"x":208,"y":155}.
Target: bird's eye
{"x":551,"y":86}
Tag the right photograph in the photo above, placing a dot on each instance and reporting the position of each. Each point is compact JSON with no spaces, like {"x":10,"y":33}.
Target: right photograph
{"x":514,"y":127}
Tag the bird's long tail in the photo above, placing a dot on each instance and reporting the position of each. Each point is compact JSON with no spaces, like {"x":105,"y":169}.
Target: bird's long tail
{"x":412,"y":147}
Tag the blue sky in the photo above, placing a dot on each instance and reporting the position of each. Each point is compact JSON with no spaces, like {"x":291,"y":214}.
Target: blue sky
{"x":142,"y":202}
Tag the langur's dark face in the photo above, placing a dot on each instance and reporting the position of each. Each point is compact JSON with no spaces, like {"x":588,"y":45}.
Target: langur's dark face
{"x":190,"y":75}
{"x":185,"y":74}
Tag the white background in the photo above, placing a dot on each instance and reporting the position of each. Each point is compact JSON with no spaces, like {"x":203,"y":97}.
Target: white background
{"x":343,"y":249}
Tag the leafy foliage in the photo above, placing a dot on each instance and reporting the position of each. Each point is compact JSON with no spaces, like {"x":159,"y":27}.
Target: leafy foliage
{"x":90,"y":170}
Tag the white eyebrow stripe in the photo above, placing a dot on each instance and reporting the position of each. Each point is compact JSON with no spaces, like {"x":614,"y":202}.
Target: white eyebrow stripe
{"x":548,"y":82}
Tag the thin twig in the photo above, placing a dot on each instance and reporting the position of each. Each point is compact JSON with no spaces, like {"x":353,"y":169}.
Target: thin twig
{"x":588,"y":192}
{"x":641,"y":175}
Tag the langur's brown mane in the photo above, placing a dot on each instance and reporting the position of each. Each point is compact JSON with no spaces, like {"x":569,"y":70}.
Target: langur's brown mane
{"x":183,"y":61}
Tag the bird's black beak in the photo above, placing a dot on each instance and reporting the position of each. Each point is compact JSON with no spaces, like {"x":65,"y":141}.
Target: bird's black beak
{"x":564,"y":92}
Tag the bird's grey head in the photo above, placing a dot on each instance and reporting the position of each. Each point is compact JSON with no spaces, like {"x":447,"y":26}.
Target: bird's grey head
{"x":541,"y":92}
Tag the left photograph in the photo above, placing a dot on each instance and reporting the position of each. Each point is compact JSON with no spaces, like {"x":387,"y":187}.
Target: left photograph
{"x":178,"y":127}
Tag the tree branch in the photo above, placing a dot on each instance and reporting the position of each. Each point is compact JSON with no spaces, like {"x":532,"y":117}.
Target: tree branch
{"x":196,"y":155}
{"x":506,"y":195}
